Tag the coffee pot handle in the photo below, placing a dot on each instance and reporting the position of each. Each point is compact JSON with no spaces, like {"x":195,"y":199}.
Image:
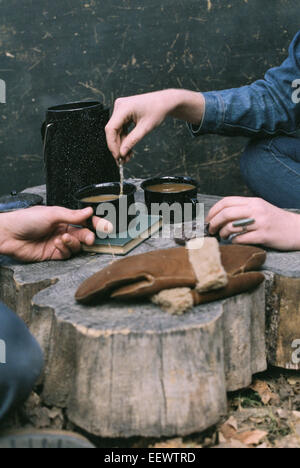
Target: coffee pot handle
{"x":45,"y":131}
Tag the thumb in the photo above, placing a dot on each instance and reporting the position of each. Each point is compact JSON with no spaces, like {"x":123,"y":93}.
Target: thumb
{"x":134,"y":137}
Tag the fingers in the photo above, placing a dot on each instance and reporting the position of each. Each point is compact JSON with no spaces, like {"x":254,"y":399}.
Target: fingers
{"x":84,"y":236}
{"x":87,"y":237}
{"x":141,"y":129}
{"x":113,"y":139}
{"x":228,"y":202}
{"x":127,"y":158}
{"x":63,"y":215}
{"x":102,"y":225}
{"x":119,"y":143}
{"x":62,"y":251}
{"x":225,"y":216}
{"x":120,"y":118}
{"x":145,"y":111}
{"x":229,"y":229}
{"x":72,"y":243}
{"x":252,"y":237}
{"x":79,"y":217}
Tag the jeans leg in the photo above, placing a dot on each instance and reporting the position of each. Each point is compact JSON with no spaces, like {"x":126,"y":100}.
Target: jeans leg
{"x":21,"y":360}
{"x":271,"y":169}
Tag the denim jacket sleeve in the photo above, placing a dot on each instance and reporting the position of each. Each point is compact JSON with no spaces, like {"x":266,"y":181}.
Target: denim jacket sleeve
{"x":267,"y":107}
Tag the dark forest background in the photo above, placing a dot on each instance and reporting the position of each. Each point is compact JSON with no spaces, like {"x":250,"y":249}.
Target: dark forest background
{"x":57,"y":51}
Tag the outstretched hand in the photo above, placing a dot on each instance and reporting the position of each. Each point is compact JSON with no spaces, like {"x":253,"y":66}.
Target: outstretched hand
{"x":146,"y":112}
{"x":273,"y":227}
{"x":47,"y":233}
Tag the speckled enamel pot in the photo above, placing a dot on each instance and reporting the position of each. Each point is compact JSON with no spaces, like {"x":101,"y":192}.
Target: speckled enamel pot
{"x":75,"y":151}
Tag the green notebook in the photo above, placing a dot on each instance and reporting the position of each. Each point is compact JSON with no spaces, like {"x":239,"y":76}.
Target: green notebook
{"x":124,"y":242}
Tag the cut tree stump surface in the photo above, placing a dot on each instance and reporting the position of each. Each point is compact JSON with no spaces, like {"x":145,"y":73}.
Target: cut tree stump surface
{"x":132,"y":370}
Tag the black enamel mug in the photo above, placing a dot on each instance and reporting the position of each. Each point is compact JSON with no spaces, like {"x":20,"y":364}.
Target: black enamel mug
{"x":114,"y":210}
{"x":183,"y":198}
{"x":75,"y":151}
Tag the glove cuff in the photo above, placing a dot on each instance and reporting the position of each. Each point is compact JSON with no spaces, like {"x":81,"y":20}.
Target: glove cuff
{"x":205,"y":259}
{"x":174,"y":301}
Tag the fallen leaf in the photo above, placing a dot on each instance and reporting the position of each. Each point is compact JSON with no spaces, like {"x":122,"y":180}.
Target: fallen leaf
{"x":283,"y":414}
{"x":233,"y":423}
{"x":264,"y":391}
{"x":296,"y":414}
{"x":251,"y":437}
{"x":229,"y":429}
{"x":294,"y":380}
{"x":222,"y":439}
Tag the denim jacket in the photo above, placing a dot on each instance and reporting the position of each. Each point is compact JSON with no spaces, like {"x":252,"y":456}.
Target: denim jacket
{"x":269,"y":106}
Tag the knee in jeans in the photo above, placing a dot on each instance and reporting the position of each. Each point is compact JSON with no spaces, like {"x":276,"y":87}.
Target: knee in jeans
{"x":19,"y":375}
{"x":248,"y":160}
{"x":253,"y":161}
{"x":26,"y":367}
{"x":22,"y":356}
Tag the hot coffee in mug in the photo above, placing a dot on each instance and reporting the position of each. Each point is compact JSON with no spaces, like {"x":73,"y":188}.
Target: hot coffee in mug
{"x":106,"y":197}
{"x":100,"y":198}
{"x":163,"y":191}
{"x":170,"y":188}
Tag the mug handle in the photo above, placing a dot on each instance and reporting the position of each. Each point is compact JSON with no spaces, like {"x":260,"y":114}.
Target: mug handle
{"x":195,"y":202}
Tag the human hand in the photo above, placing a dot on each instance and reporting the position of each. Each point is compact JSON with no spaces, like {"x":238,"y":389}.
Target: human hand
{"x":46,"y":233}
{"x":273,"y":227}
{"x":146,"y":112}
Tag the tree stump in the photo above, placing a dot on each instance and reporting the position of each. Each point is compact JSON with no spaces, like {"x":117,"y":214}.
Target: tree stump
{"x":133,"y":370}
{"x":283,"y":309}
{"x":126,"y":370}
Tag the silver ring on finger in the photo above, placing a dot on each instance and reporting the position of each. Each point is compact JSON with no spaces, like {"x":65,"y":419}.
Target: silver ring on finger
{"x":244,"y":223}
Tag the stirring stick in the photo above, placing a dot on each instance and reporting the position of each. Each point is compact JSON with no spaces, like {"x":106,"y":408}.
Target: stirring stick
{"x":121,"y":163}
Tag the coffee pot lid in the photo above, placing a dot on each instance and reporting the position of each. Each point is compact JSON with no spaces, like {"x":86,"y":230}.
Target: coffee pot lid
{"x":18,"y":201}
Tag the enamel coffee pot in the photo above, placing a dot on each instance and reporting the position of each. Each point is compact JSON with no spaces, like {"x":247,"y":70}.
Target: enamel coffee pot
{"x":75,"y":151}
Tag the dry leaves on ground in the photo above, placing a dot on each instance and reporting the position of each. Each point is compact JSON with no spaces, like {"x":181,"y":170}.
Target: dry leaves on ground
{"x":229,"y":433}
{"x":264,"y":391}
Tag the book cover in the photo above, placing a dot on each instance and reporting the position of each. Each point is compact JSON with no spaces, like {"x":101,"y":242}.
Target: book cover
{"x":124,"y":242}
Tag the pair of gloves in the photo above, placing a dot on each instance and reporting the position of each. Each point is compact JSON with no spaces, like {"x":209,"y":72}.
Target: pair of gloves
{"x":179,"y":278}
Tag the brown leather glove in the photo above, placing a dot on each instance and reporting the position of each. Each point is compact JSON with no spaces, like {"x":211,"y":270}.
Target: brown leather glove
{"x":240,"y":262}
{"x":240,"y":279}
{"x":147,"y":274}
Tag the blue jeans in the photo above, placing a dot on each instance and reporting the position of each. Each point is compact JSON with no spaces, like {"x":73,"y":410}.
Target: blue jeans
{"x":21,"y":361}
{"x":271,"y":169}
